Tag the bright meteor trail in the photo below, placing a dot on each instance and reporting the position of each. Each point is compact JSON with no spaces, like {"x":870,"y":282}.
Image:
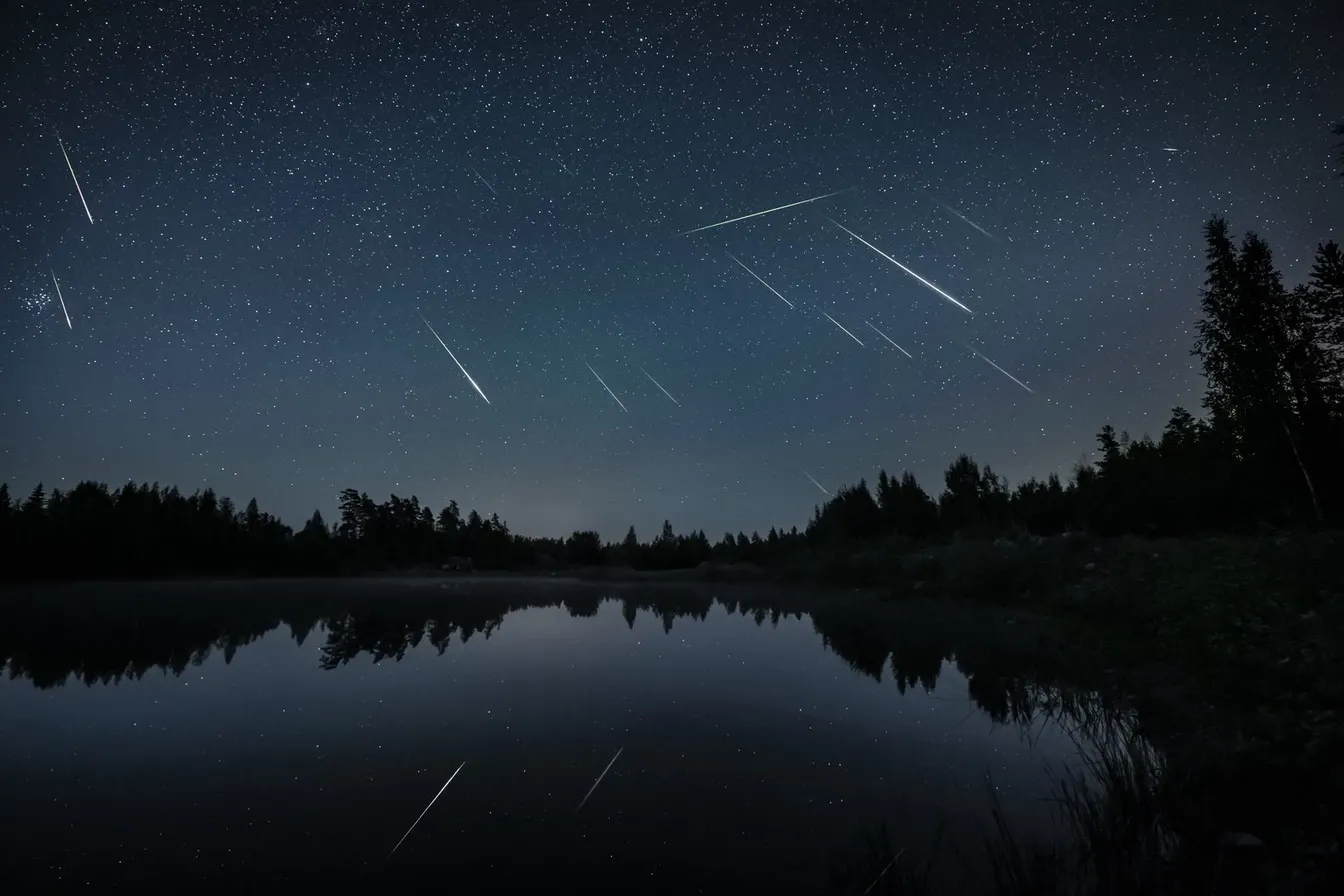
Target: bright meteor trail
{"x":623,"y":407}
{"x":842,"y":328}
{"x":660,"y":387}
{"x":889,"y":339}
{"x":953,"y":211}
{"x":75,"y":179}
{"x":763,"y":283}
{"x":427,"y":808}
{"x":817,"y":484}
{"x":62,"y":298}
{"x":455,"y":361}
{"x":778,"y":208}
{"x":609,"y":764}
{"x":1002,"y":371}
{"x":899,"y":265}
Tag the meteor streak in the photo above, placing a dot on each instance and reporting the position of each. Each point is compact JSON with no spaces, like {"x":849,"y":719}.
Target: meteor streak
{"x":899,"y":265}
{"x":763,"y":283}
{"x":427,"y":808}
{"x":1002,"y":371}
{"x":660,"y":386}
{"x":888,"y":338}
{"x":75,"y":179}
{"x":455,"y":361}
{"x":778,"y":208}
{"x":62,"y":298}
{"x":623,"y":407}
{"x":842,"y":329}
{"x":817,"y":484}
{"x":953,"y":211}
{"x":483,"y":180}
{"x":609,"y":764}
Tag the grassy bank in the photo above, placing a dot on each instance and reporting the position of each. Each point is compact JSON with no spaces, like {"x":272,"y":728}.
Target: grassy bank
{"x":1230,"y":649}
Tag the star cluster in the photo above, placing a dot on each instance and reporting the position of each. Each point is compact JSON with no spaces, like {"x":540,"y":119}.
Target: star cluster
{"x":286,"y":196}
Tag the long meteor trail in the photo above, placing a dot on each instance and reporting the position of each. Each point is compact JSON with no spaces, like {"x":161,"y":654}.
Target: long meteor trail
{"x":842,"y":328}
{"x":604,"y":771}
{"x":455,"y":361}
{"x":660,"y":387}
{"x":618,"y":401}
{"x":899,"y":265}
{"x":817,"y":484}
{"x":889,"y":339}
{"x":762,"y":282}
{"x":1002,"y":371}
{"x":778,"y":208}
{"x":75,"y":179}
{"x":427,"y":808}
{"x":62,"y":298}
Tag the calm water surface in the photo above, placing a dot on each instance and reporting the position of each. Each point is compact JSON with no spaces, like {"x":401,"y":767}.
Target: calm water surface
{"x":299,"y":745}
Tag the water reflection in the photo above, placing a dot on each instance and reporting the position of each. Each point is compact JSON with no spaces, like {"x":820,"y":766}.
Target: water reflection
{"x":323,"y":716}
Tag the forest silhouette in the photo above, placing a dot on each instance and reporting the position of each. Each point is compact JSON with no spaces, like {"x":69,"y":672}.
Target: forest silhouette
{"x":1264,"y":457}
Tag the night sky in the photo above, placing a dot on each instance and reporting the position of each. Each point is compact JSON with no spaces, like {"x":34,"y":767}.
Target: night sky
{"x":285,"y":198}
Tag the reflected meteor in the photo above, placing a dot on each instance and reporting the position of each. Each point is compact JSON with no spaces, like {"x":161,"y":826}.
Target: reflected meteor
{"x":427,"y":808}
{"x":605,"y":770}
{"x":778,"y":208}
{"x":899,"y":265}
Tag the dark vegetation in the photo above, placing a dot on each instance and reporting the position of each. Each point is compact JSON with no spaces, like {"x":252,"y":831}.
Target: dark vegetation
{"x":1193,"y":578}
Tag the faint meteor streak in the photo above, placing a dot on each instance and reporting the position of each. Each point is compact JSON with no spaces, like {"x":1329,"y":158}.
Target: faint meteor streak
{"x":817,"y":484}
{"x":884,"y":871}
{"x":899,"y":265}
{"x":455,"y":361}
{"x":427,"y":808}
{"x":763,"y":283}
{"x":1002,"y":371}
{"x":75,"y":179}
{"x":609,"y":764}
{"x":778,"y":208}
{"x":953,"y":211}
{"x":62,"y":298}
{"x":842,"y":328}
{"x":483,"y":180}
{"x":618,"y":401}
{"x":660,"y":386}
{"x":889,"y":339}
{"x":1170,"y":149}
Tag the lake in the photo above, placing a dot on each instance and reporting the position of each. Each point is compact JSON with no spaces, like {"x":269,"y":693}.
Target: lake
{"x":213,"y":734}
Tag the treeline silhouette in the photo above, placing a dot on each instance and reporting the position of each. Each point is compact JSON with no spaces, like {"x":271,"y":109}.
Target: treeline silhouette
{"x":1266,"y":455}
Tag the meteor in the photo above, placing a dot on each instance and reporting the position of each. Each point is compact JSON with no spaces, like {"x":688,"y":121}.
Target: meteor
{"x":75,"y":179}
{"x":763,"y":283}
{"x":817,"y":484}
{"x":888,"y":338}
{"x":660,"y":386}
{"x":842,"y":329}
{"x":483,"y":180}
{"x":62,"y":298}
{"x":623,"y":407}
{"x":605,"y":770}
{"x":455,"y":361}
{"x":1001,"y":370}
{"x":899,"y":265}
{"x":953,"y":211}
{"x":427,"y":808}
{"x":778,"y":208}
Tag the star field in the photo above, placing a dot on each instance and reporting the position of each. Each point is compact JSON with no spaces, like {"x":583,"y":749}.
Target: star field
{"x":284,"y":194}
